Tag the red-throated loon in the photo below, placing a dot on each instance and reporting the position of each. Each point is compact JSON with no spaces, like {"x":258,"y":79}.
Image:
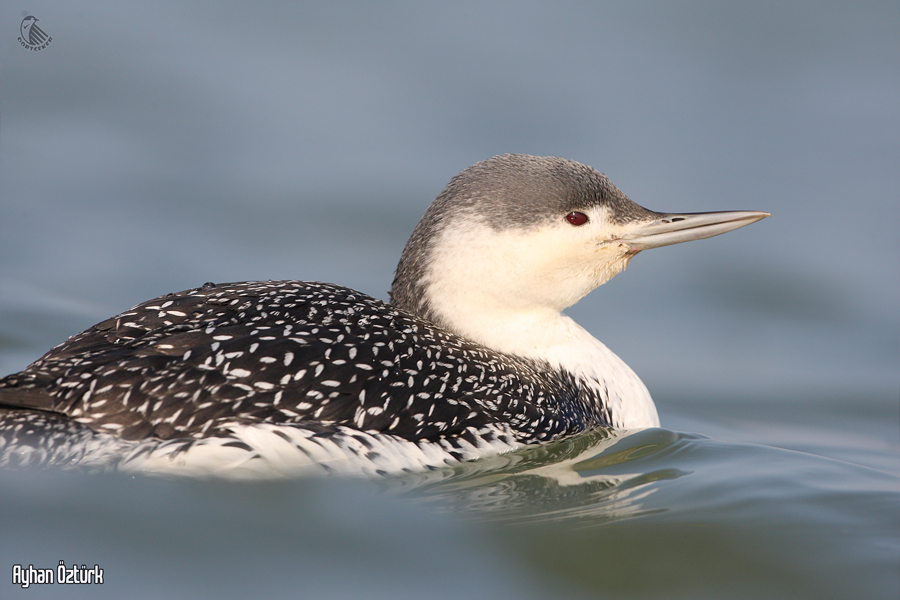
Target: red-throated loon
{"x":471,"y":356}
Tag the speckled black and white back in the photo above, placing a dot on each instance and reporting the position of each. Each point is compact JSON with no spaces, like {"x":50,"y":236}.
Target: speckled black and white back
{"x":280,"y":377}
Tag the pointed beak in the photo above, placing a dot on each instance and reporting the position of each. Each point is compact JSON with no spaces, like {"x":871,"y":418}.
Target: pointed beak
{"x":668,"y":229}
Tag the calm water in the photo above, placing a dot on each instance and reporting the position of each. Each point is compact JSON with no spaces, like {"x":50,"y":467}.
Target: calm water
{"x":150,"y":149}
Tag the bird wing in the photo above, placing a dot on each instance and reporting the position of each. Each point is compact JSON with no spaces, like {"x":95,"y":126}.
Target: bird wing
{"x":196,"y":363}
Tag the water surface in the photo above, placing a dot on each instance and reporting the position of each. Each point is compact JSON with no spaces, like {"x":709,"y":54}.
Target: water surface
{"x":153,"y":147}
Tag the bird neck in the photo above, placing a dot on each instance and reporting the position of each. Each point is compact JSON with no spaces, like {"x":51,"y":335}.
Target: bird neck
{"x":554,"y":339}
{"x":507,"y":310}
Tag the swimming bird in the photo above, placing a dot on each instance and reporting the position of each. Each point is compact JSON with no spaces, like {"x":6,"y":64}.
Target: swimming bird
{"x":472,"y":355}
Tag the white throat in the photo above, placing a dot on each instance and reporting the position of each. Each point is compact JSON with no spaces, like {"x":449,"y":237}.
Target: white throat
{"x":512,"y":303}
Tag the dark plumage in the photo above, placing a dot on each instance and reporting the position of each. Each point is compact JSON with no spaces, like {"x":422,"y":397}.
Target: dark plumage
{"x":190,"y":365}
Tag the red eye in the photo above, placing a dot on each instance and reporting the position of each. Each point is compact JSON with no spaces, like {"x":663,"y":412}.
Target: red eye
{"x":576,"y":218}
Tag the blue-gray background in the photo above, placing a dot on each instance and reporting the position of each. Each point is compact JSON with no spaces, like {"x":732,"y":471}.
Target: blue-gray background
{"x":155,"y":146}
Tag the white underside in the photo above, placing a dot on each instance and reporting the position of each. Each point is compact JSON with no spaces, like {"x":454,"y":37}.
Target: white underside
{"x":281,"y":451}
